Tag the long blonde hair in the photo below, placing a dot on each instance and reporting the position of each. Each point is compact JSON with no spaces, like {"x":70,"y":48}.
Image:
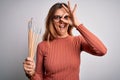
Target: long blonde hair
{"x":50,"y":32}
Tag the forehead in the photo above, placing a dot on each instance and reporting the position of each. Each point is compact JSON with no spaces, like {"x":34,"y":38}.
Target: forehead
{"x":60,"y":11}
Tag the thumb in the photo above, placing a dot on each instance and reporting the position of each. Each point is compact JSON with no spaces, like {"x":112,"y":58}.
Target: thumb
{"x":29,"y":59}
{"x":65,"y":21}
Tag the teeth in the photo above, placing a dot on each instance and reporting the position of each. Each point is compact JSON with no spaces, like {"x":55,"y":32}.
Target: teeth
{"x":62,"y":26}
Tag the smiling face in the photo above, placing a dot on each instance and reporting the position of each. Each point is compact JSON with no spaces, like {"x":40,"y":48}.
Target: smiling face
{"x":55,"y":27}
{"x":60,"y":26}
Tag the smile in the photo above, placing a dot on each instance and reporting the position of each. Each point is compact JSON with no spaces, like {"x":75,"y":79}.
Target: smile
{"x":62,"y":26}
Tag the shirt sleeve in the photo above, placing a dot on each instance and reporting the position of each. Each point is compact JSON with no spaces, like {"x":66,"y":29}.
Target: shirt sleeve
{"x":90,"y":43}
{"x":39,"y":65}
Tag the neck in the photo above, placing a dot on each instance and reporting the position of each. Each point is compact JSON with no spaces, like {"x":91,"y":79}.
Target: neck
{"x":62,"y":36}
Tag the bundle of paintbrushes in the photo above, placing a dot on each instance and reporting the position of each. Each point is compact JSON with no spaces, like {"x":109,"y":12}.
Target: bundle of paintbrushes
{"x":33,"y":38}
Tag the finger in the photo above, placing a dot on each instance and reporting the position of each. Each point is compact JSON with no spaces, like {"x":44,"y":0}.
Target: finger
{"x":66,"y":14}
{"x":74,"y":8}
{"x":65,"y":21}
{"x":29,"y":63}
{"x":68,"y":20}
{"x":69,"y":6}
{"x":29,"y":59}
{"x":28,"y":67}
{"x":28,"y":70}
{"x":66,"y":9}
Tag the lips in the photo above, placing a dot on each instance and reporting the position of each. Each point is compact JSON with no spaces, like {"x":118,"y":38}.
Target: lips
{"x":62,"y":26}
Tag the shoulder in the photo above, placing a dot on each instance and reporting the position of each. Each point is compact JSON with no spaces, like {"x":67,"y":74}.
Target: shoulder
{"x":43,"y":43}
{"x":77,"y":40}
{"x":42,"y":46}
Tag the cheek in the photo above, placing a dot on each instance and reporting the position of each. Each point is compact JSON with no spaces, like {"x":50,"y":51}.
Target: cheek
{"x":67,"y":25}
{"x":56,"y":24}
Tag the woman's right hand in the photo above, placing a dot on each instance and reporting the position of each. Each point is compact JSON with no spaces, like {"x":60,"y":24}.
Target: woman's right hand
{"x":29,"y":66}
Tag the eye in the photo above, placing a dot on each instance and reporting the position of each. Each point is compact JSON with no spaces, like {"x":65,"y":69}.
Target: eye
{"x":57,"y":17}
{"x":66,"y":17}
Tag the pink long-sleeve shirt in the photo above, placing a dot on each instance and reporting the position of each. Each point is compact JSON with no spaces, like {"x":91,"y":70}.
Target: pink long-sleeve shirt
{"x":60,"y":59}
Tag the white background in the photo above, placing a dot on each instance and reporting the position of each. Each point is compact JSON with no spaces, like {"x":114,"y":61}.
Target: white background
{"x":102,"y":17}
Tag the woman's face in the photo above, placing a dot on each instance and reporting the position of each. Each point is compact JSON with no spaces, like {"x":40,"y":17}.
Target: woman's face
{"x":60,"y":26}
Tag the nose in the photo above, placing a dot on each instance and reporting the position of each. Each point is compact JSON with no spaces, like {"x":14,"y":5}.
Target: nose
{"x":61,"y":21}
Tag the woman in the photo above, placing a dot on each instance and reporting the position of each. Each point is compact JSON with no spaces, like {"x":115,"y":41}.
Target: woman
{"x":58,"y":55}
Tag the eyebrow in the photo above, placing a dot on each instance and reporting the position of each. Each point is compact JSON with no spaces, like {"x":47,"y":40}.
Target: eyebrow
{"x":61,"y":15}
